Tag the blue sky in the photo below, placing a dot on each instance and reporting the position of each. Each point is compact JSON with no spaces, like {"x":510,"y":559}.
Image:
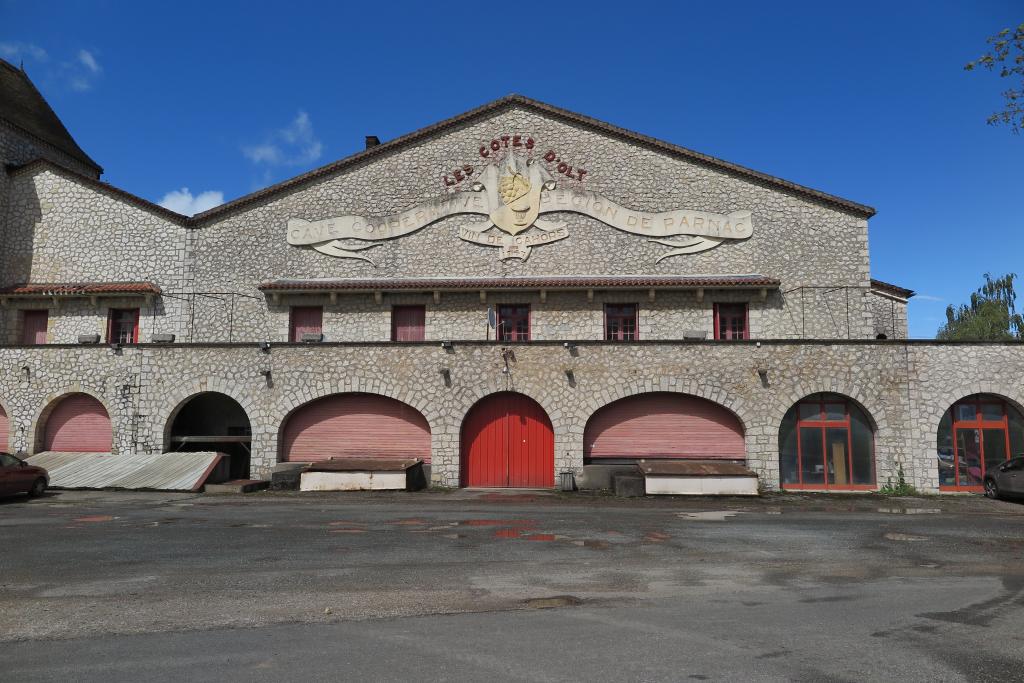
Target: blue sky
{"x":865,"y":100}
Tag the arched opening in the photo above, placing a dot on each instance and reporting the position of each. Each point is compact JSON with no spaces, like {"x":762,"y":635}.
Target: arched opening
{"x":76,"y":423}
{"x":977,"y":434}
{"x":827,"y":441}
{"x":662,"y":425}
{"x":507,"y":441}
{"x":355,"y":426}
{"x":212,"y":421}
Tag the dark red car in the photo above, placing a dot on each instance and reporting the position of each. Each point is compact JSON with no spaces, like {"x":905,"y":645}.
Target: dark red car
{"x":17,"y":476}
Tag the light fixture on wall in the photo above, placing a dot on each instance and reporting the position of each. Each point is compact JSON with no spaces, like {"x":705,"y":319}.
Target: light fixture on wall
{"x":25,"y":370}
{"x":115,"y":347}
{"x":570,"y":347}
{"x":265,"y":346}
{"x":446,"y":375}
{"x":447,"y":344}
{"x":267,"y":376}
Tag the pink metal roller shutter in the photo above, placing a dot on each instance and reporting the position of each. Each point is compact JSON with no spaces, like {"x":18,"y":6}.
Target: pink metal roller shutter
{"x":5,"y":431}
{"x":662,"y":425}
{"x":356,"y":426}
{"x":78,"y":423}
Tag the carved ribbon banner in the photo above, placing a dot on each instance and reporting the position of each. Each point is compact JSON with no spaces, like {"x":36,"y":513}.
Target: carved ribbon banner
{"x":512,"y":199}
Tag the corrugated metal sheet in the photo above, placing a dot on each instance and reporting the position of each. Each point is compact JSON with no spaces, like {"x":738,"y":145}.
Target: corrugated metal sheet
{"x":156,"y":471}
{"x":78,"y":424}
{"x":507,"y":440}
{"x":356,"y":426}
{"x":663,"y":425}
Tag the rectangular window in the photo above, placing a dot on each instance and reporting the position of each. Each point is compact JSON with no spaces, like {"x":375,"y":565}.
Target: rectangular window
{"x":513,"y":322}
{"x":305,"y":320}
{"x":33,"y":326}
{"x":620,"y":322}
{"x":123,"y":326}
{"x":731,"y":321}
{"x":408,"y":323}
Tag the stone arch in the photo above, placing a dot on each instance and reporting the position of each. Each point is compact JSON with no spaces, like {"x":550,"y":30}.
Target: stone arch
{"x":945,"y":400}
{"x":875,"y":413}
{"x":167,"y":410}
{"x":937,"y":410}
{"x":856,"y":476}
{"x":530,"y":466}
{"x":633,"y":395}
{"x":52,"y":400}
{"x":709,"y":392}
{"x":298,"y":406}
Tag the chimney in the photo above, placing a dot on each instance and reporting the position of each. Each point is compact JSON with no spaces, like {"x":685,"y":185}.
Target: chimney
{"x":372,"y":141}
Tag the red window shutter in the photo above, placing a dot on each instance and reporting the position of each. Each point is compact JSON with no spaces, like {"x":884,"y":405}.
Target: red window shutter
{"x":33,"y":327}
{"x":620,"y":322}
{"x":123,"y":326}
{"x":305,"y":320}
{"x":514,"y":322}
{"x":408,"y":323}
{"x":731,"y":321}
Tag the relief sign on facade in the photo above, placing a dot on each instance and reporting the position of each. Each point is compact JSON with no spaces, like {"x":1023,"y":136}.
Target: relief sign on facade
{"x":512,"y":195}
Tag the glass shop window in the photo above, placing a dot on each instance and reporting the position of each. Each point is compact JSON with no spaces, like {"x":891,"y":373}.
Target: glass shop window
{"x":408,"y":323}
{"x":123,"y":326}
{"x":731,"y":321}
{"x":513,"y":322}
{"x":620,"y":322}
{"x":826,"y":442}
{"x":976,"y":434}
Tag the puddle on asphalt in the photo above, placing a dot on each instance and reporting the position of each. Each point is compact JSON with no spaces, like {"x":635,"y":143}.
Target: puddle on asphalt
{"x":553,"y":601}
{"x":94,"y":518}
{"x":892,"y":536}
{"x":911,"y":511}
{"x":520,"y":523}
{"x":709,"y":516}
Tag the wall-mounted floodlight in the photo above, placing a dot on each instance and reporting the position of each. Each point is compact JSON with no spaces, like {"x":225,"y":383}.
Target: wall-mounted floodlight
{"x":447,"y":344}
{"x":265,"y":346}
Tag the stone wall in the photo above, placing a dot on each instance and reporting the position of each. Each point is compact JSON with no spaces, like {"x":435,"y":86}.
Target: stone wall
{"x":62,"y":229}
{"x":903,"y":386}
{"x":889,"y":316}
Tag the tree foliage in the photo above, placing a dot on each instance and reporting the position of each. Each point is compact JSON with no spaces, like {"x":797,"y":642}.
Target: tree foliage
{"x":1007,"y":55}
{"x":990,"y":316}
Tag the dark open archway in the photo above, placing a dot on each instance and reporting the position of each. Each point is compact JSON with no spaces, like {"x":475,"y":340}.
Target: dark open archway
{"x":212,"y":421}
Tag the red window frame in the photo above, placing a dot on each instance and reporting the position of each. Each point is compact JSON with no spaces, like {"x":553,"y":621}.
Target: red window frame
{"x":293,"y":333}
{"x":514,"y":322}
{"x":823,"y":423}
{"x":28,"y":313}
{"x":980,"y":424}
{"x":615,"y":314}
{"x":726,"y":317}
{"x":395,"y":318}
{"x":114,"y":329}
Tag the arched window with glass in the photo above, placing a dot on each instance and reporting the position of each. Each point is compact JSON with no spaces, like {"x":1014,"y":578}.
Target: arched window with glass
{"x":827,"y":442}
{"x":976,"y":434}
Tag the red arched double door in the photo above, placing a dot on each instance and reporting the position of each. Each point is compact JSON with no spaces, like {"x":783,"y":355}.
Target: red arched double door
{"x":507,"y":441}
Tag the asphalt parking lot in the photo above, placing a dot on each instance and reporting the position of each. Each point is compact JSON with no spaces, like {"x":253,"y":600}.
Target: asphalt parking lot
{"x":509,"y":586}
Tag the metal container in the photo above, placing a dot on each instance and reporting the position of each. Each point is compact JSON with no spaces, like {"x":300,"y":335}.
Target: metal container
{"x":567,"y":481}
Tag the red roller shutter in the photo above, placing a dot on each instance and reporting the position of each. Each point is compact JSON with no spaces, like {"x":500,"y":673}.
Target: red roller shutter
{"x":5,"y":432}
{"x":78,"y":423}
{"x":355,"y":426}
{"x":661,"y":425}
{"x":507,"y":440}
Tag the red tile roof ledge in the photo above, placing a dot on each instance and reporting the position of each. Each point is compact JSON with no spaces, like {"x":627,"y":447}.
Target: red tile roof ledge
{"x":526,"y":282}
{"x":80,"y":289}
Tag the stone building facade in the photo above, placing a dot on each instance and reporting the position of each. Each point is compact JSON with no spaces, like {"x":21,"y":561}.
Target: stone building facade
{"x":517,"y":252}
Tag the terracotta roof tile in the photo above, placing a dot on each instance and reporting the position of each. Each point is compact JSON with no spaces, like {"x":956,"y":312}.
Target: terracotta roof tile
{"x":79,"y":288}
{"x":561,"y":282}
{"x":895,"y":290}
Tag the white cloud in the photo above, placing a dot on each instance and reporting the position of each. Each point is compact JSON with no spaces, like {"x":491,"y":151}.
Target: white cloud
{"x":22,"y":50}
{"x":181,"y":201}
{"x":294,"y":145}
{"x":927,"y":297}
{"x":87,"y":58}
